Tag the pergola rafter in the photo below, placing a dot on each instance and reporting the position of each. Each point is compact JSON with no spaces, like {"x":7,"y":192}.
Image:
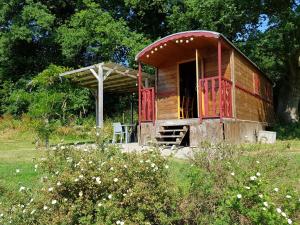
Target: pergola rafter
{"x":106,"y":78}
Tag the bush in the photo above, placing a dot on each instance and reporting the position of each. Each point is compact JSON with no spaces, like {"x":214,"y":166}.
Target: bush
{"x":288,"y":131}
{"x":86,"y":186}
{"x":232,"y":186}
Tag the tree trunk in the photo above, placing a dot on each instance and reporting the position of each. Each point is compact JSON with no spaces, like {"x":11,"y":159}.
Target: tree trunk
{"x":289,"y":95}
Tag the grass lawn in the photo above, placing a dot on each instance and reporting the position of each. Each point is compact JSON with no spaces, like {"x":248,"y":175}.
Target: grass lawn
{"x":17,"y":151}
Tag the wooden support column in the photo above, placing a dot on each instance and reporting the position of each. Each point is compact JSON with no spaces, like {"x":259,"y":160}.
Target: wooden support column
{"x":232,"y":69}
{"x":140,"y":90}
{"x":96,"y":100}
{"x":100,"y":97}
{"x":197,"y":85}
{"x":220,"y":77}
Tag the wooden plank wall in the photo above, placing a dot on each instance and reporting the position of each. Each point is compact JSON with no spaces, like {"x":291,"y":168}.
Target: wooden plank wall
{"x":167,"y":94}
{"x":249,"y":106}
{"x":211,"y":64}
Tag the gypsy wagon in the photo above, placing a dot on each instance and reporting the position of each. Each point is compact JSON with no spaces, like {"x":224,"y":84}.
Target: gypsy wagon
{"x":205,"y":89}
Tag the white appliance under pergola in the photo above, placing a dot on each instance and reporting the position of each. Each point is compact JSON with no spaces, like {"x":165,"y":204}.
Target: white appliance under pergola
{"x":106,"y":78}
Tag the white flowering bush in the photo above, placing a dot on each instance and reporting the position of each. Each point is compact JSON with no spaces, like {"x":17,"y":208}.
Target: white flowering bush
{"x":86,"y":186}
{"x":231,"y":186}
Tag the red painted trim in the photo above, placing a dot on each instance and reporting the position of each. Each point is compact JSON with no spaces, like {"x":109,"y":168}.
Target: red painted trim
{"x":140,"y":91}
{"x":253,"y":94}
{"x":213,"y":87}
{"x":153,"y":105}
{"x":200,"y":99}
{"x":206,"y":96}
{"x":164,"y":40}
{"x":220,"y":76}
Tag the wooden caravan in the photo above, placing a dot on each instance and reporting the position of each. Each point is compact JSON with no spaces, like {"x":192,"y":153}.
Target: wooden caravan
{"x":205,"y":89}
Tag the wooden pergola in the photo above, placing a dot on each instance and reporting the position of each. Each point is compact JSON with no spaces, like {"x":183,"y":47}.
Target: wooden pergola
{"x":106,"y":78}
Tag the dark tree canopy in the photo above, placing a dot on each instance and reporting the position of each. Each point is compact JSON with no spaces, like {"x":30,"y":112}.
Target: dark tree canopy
{"x":35,"y":34}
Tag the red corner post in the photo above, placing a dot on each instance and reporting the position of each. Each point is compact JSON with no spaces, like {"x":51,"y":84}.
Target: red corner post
{"x":140,"y":92}
{"x":220,"y":76}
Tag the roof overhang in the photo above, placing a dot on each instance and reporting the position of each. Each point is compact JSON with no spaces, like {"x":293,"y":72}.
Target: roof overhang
{"x":170,"y":47}
{"x":116,"y":78}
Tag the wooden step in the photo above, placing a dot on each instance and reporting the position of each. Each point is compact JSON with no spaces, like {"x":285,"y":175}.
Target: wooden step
{"x":168,"y":143}
{"x":168,"y":136}
{"x":168,"y":131}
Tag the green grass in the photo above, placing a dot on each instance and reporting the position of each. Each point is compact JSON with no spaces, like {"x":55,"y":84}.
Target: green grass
{"x":17,"y":151}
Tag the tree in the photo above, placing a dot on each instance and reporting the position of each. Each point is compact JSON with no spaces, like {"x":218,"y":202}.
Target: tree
{"x":277,"y":50}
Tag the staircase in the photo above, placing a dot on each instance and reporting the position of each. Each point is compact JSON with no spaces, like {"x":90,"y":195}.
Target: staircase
{"x":171,"y":135}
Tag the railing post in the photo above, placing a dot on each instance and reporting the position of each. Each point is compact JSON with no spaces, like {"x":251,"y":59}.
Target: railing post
{"x":220,"y":76}
{"x":140,"y":92}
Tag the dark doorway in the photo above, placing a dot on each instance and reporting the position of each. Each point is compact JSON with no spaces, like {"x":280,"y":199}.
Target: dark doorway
{"x":188,"y":90}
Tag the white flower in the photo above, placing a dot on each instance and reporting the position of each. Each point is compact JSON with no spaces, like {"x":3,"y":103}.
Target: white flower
{"x":239,"y":196}
{"x":166,"y":166}
{"x":253,"y":178}
{"x":90,"y":162}
{"x":289,"y":221}
{"x":65,"y":199}
{"x":116,"y":179}
{"x":276,"y":189}
{"x":264,"y":208}
{"x":278,"y":210}
{"x":110,"y":196}
{"x":248,"y":188}
{"x":283,"y":214}
{"x":111,"y":168}
{"x":80,"y":176}
{"x":32,"y":212}
{"x":58,"y":183}
{"x":99,"y":204}
{"x":98,"y":181}
{"x":76,"y":180}
{"x":62,"y":147}
{"x":1,"y":215}
{"x":232,"y":174}
{"x":50,"y":189}
{"x":122,"y":223}
{"x":260,"y":195}
{"x":288,"y":196}
{"x":141,"y":161}
{"x":266,"y":204}
{"x":125,"y":166}
{"x":118,"y":222}
{"x":45,"y":207}
{"x":152,"y":165}
{"x":17,"y":170}
{"x":124,"y":195}
{"x":258,"y":174}
{"x":22,"y":189}
{"x":57,"y":172}
{"x":54,"y":202}
{"x":257,"y":162}
{"x":80,"y":194}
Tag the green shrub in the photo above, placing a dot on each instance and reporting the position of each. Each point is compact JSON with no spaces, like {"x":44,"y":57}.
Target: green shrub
{"x":233,"y":186}
{"x":85,"y":186}
{"x":288,"y":131}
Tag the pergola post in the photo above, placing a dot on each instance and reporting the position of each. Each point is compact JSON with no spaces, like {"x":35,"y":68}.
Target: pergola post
{"x":100,"y":97}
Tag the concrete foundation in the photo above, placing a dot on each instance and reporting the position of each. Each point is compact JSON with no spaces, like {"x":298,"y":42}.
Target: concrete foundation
{"x":211,"y":130}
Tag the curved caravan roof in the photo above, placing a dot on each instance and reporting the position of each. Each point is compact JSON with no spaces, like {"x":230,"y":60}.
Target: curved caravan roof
{"x":170,"y":46}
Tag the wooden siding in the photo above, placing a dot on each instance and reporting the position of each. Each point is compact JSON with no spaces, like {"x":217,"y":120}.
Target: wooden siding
{"x":251,"y":106}
{"x":211,"y":64}
{"x":167,"y":94}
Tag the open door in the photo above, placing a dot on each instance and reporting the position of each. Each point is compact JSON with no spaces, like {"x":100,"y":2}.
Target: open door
{"x":188,"y":90}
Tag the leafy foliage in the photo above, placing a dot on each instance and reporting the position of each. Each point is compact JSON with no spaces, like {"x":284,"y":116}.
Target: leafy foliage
{"x":88,"y":186}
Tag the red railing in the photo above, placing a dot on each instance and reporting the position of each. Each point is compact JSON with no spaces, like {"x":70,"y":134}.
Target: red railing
{"x":147,"y":105}
{"x":209,"y":97}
